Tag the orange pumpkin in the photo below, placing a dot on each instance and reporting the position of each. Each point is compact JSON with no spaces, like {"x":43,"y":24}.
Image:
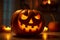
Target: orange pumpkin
{"x":27,"y":22}
{"x":54,"y":26}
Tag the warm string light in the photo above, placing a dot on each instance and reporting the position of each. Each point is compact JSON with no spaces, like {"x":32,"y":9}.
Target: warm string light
{"x":49,"y":1}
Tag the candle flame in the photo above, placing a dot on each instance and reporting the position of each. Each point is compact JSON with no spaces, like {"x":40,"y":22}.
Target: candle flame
{"x":7,"y":28}
{"x":45,"y":29}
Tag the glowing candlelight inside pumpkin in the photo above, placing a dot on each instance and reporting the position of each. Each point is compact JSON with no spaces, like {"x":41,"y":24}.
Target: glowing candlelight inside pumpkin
{"x":7,"y":28}
{"x":45,"y":29}
{"x":49,"y":2}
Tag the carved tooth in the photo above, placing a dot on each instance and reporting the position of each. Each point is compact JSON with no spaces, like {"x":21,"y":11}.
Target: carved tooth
{"x":28,"y":28}
{"x":34,"y":28}
{"x":22,"y":26}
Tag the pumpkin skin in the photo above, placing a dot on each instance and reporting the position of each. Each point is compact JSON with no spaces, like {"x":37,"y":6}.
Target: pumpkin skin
{"x":27,"y":22}
{"x":54,"y":26}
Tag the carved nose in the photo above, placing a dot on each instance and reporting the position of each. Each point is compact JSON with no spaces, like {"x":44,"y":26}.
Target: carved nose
{"x":31,"y":21}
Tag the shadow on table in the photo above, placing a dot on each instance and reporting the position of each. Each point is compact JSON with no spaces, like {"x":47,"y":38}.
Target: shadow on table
{"x":38,"y":37}
{"x":29,"y":36}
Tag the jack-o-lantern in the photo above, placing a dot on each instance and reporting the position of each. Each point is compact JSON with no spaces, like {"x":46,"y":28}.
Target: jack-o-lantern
{"x":27,"y":22}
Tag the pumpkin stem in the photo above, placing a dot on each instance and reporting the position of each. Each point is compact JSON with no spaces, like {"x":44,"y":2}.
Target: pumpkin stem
{"x":53,"y":17}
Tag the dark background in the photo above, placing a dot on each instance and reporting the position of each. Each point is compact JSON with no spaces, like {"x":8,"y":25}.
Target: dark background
{"x":7,"y":7}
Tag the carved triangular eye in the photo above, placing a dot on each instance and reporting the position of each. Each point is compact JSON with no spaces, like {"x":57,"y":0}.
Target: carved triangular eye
{"x":37,"y":16}
{"x":24,"y":17}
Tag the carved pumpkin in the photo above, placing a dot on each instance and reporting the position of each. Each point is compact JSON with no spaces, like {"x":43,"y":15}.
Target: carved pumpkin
{"x":27,"y":22}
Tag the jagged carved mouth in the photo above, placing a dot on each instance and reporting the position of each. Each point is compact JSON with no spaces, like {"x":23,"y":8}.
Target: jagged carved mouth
{"x":28,"y":28}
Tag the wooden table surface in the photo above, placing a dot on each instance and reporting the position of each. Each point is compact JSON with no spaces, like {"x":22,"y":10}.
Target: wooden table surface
{"x":42,"y":36}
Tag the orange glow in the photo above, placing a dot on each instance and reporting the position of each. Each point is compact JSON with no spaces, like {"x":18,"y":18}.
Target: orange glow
{"x":35,"y":28}
{"x":31,"y":21}
{"x":52,"y":26}
{"x":7,"y":36}
{"x":22,"y":26}
{"x":23,"y":11}
{"x":7,"y":28}
{"x":44,"y":36}
{"x":28,"y":27}
{"x":44,"y":2}
{"x":37,"y":17}
{"x":45,"y":29}
{"x":18,"y":11}
{"x":29,"y":11}
{"x":24,"y":17}
{"x":49,"y":2}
